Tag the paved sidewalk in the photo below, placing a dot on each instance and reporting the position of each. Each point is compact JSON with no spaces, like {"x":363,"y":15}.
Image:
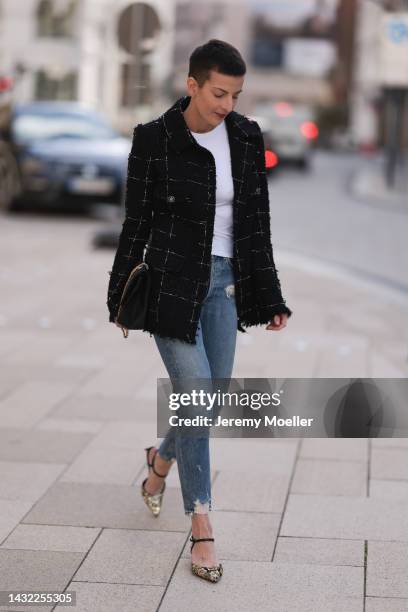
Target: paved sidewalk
{"x":301,"y":525}
{"x":370,"y":186}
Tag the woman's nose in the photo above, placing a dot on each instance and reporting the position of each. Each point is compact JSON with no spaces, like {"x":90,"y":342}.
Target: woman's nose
{"x":228,"y":107}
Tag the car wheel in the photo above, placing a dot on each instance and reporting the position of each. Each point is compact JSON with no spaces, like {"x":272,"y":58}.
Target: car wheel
{"x":304,"y":164}
{"x":10,"y":187}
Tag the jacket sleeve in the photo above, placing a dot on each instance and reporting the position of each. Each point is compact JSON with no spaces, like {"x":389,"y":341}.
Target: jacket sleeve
{"x":138,"y":213}
{"x":268,"y":288}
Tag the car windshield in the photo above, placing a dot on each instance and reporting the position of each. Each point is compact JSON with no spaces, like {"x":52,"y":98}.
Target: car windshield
{"x":32,"y":126}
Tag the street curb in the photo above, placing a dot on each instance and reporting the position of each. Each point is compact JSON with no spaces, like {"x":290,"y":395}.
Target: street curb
{"x":383,"y":287}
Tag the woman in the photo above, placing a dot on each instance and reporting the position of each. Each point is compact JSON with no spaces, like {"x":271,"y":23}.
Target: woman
{"x":197,"y":195}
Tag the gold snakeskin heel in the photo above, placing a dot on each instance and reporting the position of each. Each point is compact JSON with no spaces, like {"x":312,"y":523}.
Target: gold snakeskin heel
{"x":153,"y":502}
{"x":213,"y":574}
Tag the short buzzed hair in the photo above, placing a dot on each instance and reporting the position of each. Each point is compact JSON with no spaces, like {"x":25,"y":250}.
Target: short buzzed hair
{"x":215,"y":55}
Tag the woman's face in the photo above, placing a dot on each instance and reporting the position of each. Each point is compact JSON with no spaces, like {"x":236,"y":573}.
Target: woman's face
{"x":217,"y":97}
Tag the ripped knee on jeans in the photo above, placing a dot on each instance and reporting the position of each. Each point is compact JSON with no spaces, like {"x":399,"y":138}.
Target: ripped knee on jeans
{"x":230,"y":290}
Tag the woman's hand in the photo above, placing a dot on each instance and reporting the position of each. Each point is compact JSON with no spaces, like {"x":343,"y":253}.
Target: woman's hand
{"x":278,"y":322}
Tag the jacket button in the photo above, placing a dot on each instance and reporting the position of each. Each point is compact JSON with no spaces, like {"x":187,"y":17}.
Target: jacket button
{"x":258,"y":190}
{"x":171,"y":198}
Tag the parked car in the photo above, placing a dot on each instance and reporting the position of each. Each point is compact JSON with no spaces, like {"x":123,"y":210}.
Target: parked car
{"x":9,"y":173}
{"x":292,"y":129}
{"x":271,"y":157}
{"x":68,"y":155}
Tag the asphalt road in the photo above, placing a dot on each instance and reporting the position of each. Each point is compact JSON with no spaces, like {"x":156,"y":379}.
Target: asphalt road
{"x":314,"y":214}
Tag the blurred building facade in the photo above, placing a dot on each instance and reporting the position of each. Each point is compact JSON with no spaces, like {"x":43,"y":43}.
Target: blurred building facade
{"x":369,"y":102}
{"x":80,"y":50}
{"x":130,"y":59}
{"x":289,"y":47}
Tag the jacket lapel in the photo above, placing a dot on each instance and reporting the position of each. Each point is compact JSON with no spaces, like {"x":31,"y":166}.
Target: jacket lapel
{"x":240,"y":135}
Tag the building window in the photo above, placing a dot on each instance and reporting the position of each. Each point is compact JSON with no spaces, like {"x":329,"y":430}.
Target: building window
{"x":56,"y":19}
{"x":49,"y":88}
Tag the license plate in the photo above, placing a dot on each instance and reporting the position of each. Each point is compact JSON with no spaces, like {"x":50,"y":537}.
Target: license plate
{"x":288,"y":149}
{"x":100,"y":186}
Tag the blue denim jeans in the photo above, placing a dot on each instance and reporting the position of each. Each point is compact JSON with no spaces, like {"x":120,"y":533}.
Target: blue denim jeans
{"x":211,"y":358}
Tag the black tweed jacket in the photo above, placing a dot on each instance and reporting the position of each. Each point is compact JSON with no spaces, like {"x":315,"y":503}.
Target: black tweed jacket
{"x":169,"y":222}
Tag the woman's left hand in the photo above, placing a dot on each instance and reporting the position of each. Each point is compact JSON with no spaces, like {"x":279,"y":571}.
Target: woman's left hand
{"x":278,"y":322}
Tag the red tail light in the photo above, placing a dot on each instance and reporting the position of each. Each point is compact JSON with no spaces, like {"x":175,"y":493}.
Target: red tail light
{"x":6,"y":83}
{"x":283,"y":109}
{"x":309,"y":130}
{"x":271,"y":159}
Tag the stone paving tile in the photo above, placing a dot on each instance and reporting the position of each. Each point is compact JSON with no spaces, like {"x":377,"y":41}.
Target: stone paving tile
{"x":89,"y":352}
{"x":114,"y":408}
{"x":27,"y":481}
{"x":283,"y":361}
{"x":124,"y":435}
{"x":319,"y":551}
{"x":243,"y":536}
{"x":250,"y":492}
{"x":132,"y":557}
{"x":347,"y":449}
{"x":104,"y":597}
{"x":383,"y":367}
{"x":49,"y":373}
{"x":36,"y":571}
{"x":123,"y":376}
{"x":87,"y":362}
{"x":393,"y":344}
{"x":7,"y":385}
{"x":389,"y":489}
{"x":268,"y":587}
{"x":114,"y":466}
{"x":328,"y":477}
{"x":31,"y":402}
{"x":319,"y":516}
{"x":380,"y":604}
{"x":106,"y":505}
{"x":49,"y":537}
{"x":41,"y":446}
{"x":255,"y":456}
{"x":11,"y":513}
{"x":69,"y":425}
{"x":334,"y":363}
{"x":44,"y":348}
{"x":12,"y":339}
{"x":389,"y":463}
{"x":387,"y":569}
{"x":389,"y":443}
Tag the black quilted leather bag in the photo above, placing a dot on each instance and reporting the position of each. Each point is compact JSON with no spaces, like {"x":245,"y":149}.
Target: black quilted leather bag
{"x":134,"y":302}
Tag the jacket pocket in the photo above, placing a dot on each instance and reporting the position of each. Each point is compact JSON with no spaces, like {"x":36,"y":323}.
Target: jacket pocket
{"x":164,"y":259}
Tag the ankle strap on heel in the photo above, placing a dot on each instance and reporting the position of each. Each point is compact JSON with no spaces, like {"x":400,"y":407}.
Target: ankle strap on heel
{"x":151,"y":465}
{"x":195,"y":540}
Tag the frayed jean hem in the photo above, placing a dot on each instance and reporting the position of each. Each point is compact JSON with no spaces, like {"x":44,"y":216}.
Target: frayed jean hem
{"x":165,"y":456}
{"x":199,"y":508}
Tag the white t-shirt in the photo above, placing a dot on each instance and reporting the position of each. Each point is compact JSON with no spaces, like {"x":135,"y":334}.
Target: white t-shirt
{"x":216,"y":141}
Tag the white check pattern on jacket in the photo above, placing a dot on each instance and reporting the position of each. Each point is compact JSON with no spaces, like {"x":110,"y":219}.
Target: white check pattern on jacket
{"x":170,"y":207}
